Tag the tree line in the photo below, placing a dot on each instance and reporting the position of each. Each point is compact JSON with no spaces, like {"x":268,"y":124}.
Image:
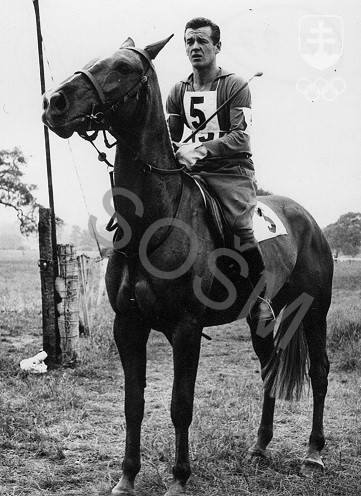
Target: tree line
{"x":343,"y":236}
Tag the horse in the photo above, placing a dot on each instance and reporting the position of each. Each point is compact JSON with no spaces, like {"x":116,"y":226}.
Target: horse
{"x":160,"y":277}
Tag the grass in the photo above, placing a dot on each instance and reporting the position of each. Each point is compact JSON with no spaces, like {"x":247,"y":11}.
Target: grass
{"x":63,"y":432}
{"x":345,"y":317}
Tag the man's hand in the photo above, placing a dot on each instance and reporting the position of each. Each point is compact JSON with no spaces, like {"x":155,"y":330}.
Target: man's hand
{"x":189,"y":153}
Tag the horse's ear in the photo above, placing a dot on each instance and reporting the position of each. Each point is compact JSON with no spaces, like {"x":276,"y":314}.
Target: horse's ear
{"x":128,"y":42}
{"x":155,"y":48}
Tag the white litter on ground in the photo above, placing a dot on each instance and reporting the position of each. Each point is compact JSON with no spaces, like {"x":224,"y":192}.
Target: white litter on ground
{"x":35,"y":364}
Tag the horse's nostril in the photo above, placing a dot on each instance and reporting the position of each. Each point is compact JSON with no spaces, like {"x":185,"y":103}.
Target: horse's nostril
{"x":45,"y":103}
{"x":58,"y":102}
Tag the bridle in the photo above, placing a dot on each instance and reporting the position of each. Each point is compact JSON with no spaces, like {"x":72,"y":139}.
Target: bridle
{"x":100,"y":120}
{"x":109,"y":108}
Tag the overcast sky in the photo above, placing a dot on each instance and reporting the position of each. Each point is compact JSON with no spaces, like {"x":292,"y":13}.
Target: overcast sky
{"x":306,"y":107}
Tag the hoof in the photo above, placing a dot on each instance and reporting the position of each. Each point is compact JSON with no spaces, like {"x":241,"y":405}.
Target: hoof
{"x":122,"y":492}
{"x":175,"y":489}
{"x":312,"y":466}
{"x":258,"y":456}
{"x":123,"y":488}
{"x":115,"y":492}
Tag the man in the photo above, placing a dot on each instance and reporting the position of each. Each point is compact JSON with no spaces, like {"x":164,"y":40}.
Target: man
{"x":220,"y":152}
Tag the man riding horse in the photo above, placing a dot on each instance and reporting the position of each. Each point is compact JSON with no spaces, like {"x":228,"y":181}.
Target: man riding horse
{"x":220,"y":152}
{"x":162,"y":280}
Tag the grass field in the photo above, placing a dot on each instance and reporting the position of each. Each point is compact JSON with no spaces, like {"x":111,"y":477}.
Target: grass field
{"x":63,"y":432}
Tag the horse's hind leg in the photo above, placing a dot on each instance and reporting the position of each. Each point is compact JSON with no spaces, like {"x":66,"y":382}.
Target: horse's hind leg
{"x":131,"y":337}
{"x":263,"y":348}
{"x":315,"y":330}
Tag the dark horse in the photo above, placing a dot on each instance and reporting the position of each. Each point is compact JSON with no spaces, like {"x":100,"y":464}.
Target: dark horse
{"x":160,"y":277}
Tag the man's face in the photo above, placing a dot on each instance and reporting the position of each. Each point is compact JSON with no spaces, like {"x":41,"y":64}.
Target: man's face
{"x":199,"y":46}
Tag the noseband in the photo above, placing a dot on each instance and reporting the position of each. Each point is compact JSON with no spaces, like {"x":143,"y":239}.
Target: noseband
{"x":109,"y":108}
{"x":100,"y":120}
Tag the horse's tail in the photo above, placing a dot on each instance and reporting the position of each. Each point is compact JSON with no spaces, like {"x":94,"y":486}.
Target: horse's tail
{"x":286,"y":372}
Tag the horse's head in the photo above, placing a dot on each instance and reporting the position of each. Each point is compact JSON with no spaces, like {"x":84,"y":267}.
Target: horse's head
{"x":90,"y":98}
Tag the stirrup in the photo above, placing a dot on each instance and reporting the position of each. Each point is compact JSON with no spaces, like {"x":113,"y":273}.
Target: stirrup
{"x":269,"y":304}
{"x":262,"y":310}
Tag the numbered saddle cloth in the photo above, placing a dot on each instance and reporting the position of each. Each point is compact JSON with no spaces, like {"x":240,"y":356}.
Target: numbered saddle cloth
{"x":266,"y":224}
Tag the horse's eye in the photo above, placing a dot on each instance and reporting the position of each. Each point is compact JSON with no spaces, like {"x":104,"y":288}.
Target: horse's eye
{"x":124,"y":69}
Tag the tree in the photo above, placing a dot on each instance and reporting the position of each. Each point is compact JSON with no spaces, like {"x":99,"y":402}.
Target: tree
{"x":263,"y":192}
{"x":87,"y":242}
{"x":345,"y":234}
{"x":82,"y":239}
{"x":16,"y":194}
{"x":75,"y":236}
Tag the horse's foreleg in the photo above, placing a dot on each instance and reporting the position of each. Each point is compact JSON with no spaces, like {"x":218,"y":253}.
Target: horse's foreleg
{"x":263,"y":348}
{"x":131,"y":337}
{"x":186,"y":347}
{"x":319,"y":368}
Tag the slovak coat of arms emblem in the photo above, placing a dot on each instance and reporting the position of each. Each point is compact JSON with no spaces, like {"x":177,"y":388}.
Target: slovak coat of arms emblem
{"x":320,"y":40}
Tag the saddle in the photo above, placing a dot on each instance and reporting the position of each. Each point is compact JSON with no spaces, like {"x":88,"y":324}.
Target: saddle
{"x":266,"y":223}
{"x":222,"y":234}
{"x":215,"y":218}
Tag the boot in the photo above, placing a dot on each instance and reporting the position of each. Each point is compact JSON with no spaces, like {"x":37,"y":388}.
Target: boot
{"x":261,"y":311}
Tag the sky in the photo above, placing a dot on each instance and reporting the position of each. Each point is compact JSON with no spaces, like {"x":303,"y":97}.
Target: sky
{"x":306,"y":106}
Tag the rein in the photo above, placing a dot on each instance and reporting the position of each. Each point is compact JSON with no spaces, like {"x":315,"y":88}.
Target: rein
{"x":101,"y":117}
{"x":114,"y":106}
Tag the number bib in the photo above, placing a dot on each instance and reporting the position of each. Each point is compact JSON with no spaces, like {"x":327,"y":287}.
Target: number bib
{"x":198,"y":106}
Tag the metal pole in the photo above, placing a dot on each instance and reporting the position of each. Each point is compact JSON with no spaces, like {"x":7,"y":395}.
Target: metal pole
{"x":46,"y":137}
{"x":48,"y":267}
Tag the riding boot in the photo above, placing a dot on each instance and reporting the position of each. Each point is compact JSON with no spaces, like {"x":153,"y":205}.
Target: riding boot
{"x":261,"y":310}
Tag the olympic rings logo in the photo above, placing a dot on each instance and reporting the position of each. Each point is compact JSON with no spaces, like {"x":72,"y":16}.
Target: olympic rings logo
{"x":321,"y":88}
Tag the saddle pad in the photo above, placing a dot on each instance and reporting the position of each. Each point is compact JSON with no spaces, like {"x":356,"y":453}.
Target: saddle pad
{"x":266,"y":224}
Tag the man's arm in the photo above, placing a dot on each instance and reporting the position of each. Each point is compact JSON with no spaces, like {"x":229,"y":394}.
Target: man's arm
{"x":174,"y":111}
{"x":176,"y":126}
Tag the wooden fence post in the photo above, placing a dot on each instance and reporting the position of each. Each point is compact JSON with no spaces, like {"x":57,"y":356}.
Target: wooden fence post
{"x":51,"y":341}
{"x":85,"y":299}
{"x":101,"y":287}
{"x":67,"y":285}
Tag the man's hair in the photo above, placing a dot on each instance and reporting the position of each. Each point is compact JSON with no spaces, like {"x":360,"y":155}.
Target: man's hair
{"x":201,"y":22}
